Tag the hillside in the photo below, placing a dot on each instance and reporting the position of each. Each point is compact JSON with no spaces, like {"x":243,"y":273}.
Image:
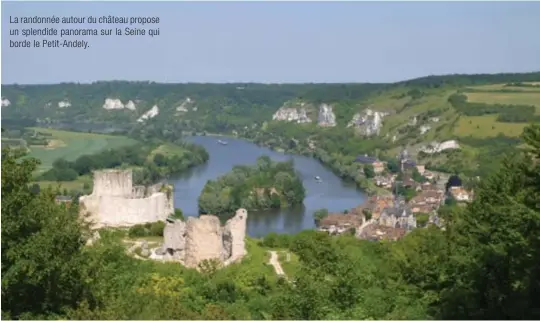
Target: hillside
{"x":460,"y":113}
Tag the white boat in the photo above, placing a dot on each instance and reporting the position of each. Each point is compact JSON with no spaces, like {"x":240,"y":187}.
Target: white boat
{"x":318,"y":179}
{"x":222,"y":142}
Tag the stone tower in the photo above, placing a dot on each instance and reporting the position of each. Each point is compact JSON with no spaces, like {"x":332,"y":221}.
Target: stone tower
{"x":203,"y":240}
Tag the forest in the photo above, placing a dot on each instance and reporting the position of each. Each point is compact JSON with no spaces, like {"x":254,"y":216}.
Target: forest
{"x":150,"y":162}
{"x":264,"y":185}
{"x":483,"y":265}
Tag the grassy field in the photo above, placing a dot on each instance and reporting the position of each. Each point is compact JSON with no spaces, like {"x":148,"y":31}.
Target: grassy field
{"x":524,"y":98}
{"x":71,"y":145}
{"x":168,"y":150}
{"x":486,"y":126}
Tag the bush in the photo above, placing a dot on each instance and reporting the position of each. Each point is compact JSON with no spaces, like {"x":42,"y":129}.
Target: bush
{"x":148,"y":229}
{"x":137,"y":231}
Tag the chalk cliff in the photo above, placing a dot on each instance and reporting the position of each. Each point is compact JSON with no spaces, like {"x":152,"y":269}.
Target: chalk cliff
{"x":368,"y":122}
{"x":5,"y":102}
{"x":436,"y":147}
{"x":185,"y":105}
{"x":294,"y":111}
{"x":64,"y":104}
{"x":151,"y":113}
{"x":327,"y":118}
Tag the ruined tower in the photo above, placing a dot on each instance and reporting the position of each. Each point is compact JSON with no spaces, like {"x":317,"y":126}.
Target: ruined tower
{"x":204,"y":238}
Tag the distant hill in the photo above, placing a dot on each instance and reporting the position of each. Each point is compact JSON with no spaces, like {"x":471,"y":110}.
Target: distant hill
{"x":418,"y":114}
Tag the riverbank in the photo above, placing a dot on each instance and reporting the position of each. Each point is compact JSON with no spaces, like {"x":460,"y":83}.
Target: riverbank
{"x":363,"y":184}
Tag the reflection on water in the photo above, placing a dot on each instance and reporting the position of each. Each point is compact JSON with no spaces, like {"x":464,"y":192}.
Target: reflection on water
{"x":332,"y":193}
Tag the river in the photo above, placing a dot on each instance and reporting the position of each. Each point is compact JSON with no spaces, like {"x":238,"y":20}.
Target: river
{"x":332,"y":193}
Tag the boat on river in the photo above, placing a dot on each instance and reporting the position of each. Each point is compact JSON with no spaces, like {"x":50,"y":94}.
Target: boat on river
{"x":222,"y":142}
{"x":318,"y":179}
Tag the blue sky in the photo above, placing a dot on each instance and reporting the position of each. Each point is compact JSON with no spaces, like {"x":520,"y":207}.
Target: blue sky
{"x":285,"y":42}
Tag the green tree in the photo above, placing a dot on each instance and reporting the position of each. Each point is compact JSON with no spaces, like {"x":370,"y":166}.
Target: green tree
{"x":319,"y":215}
{"x":369,"y":171}
{"x":42,"y":265}
{"x":496,"y":244}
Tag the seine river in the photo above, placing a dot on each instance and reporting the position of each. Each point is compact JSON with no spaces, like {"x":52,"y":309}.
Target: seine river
{"x":332,"y":193}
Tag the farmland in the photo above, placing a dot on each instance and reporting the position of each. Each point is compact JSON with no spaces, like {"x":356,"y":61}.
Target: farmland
{"x":486,"y":126}
{"x":71,"y":145}
{"x":524,"y":98}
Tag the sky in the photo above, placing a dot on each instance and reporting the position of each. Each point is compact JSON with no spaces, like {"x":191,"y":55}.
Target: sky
{"x":280,"y":42}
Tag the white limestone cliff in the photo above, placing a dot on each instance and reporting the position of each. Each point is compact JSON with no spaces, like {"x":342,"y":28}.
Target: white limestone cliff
{"x":424,"y":129}
{"x":5,"y":102}
{"x":113,"y":104}
{"x":131,"y":105}
{"x":327,"y":118}
{"x":184,"y":106}
{"x":153,"y":112}
{"x":293,"y":112}
{"x":64,"y":104}
{"x":368,"y":122}
{"x":436,"y":147}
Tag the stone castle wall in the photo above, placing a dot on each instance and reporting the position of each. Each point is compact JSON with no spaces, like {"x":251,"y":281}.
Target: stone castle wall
{"x":115,"y":202}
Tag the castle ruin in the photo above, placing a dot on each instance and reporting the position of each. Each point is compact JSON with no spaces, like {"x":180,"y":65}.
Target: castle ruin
{"x":204,"y":238}
{"x":115,"y":202}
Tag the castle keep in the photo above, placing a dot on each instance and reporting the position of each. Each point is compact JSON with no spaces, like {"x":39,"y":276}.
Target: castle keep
{"x":115,"y":202}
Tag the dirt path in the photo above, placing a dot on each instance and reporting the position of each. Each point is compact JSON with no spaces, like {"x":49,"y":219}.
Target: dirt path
{"x":274,"y":261}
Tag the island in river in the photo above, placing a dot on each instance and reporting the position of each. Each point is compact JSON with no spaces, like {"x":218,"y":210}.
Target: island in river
{"x":262,"y":186}
{"x":329,"y":192}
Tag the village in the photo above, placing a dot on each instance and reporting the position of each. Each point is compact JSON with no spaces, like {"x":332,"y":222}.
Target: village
{"x":413,"y":200}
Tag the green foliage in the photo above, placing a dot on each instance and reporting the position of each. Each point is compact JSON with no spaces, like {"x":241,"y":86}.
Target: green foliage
{"x":42,"y":265}
{"x":507,"y":113}
{"x":422,"y":219}
{"x":148,"y":229}
{"x":265,"y":185}
{"x":319,"y":215}
{"x":149,"y":169}
{"x":369,"y":171}
{"x":178,"y":214}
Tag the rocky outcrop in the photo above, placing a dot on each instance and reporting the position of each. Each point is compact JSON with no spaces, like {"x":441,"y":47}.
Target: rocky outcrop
{"x":327,"y":118}
{"x":185,"y":105}
{"x":153,"y":112}
{"x":296,"y":112}
{"x":203,"y":238}
{"x":131,"y":105}
{"x":435,"y":147}
{"x":292,"y":115}
{"x":64,"y":104}
{"x":5,"y":102}
{"x":116,"y":104}
{"x":368,"y":122}
{"x":111,"y":104}
{"x":424,"y":129}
